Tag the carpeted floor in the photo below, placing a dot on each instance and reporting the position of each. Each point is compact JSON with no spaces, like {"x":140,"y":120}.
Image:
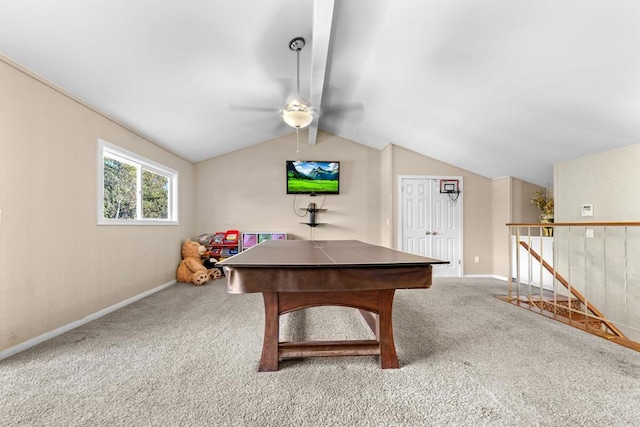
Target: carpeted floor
{"x":188,"y":356}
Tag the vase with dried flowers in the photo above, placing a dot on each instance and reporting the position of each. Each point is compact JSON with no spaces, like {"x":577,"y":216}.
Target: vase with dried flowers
{"x":545,"y":203}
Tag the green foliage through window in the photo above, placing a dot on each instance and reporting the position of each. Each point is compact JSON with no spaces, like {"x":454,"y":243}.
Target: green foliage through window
{"x":135,"y":189}
{"x":120,"y":185}
{"x":155,"y":192}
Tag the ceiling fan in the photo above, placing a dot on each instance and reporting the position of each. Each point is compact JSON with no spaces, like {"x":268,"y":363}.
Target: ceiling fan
{"x":297,"y":112}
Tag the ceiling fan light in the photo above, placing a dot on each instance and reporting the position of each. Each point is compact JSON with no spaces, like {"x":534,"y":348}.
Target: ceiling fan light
{"x":297,"y":118}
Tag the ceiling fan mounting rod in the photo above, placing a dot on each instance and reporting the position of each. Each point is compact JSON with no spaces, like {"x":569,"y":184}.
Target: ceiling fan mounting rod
{"x":297,"y":113}
{"x":298,"y":74}
{"x":296,"y":45}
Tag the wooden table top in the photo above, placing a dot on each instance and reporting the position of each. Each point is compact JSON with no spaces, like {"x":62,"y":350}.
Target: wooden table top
{"x":325,"y":266}
{"x":324,"y":253}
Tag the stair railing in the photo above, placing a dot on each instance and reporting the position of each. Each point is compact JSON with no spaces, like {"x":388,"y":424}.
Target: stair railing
{"x":594,"y":311}
{"x":588,"y":261}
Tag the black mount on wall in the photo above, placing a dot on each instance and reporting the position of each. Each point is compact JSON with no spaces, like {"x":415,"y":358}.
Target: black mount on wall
{"x":313,"y":214}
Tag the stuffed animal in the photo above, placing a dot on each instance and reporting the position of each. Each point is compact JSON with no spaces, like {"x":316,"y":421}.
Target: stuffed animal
{"x":191,"y":268}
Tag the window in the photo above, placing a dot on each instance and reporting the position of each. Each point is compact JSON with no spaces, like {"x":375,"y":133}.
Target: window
{"x":134,"y":190}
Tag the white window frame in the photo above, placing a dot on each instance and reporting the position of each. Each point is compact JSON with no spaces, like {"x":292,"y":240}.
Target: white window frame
{"x":140,"y":163}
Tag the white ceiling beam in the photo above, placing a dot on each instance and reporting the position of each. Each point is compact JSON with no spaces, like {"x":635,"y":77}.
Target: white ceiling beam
{"x":322,"y":22}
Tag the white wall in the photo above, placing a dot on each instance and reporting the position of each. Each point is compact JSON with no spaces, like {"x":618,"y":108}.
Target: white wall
{"x":56,"y":265}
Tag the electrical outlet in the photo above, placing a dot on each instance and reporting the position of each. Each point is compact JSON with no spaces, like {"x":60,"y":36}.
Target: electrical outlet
{"x":588,"y":233}
{"x":476,"y":259}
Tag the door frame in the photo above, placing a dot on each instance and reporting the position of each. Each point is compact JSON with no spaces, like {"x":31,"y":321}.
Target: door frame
{"x":460,"y":204}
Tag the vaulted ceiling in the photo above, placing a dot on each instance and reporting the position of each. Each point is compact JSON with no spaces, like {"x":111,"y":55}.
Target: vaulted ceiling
{"x":497,"y":87}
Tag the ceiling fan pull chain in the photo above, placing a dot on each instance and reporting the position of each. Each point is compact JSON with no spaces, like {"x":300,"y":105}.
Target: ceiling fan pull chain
{"x":297,"y":140}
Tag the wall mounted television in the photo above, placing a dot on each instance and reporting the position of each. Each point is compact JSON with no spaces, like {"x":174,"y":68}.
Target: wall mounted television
{"x":313,"y":177}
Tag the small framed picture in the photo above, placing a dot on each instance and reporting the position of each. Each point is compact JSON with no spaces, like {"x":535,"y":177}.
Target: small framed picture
{"x":449,"y":186}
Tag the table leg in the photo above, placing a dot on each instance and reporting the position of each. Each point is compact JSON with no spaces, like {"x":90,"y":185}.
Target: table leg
{"x":269,"y":359}
{"x":388,"y":355}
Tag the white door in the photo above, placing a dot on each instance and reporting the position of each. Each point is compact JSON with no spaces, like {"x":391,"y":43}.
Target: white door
{"x":431,"y":223}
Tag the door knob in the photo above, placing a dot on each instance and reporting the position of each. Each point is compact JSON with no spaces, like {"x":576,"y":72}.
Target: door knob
{"x":427,"y":232}
{"x":434,"y":233}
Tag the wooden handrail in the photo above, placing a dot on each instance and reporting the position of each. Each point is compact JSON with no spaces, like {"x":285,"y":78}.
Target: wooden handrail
{"x":573,"y":290}
{"x":577,"y":224}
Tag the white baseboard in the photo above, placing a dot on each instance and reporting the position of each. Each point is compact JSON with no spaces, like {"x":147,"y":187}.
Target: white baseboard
{"x":66,"y":328}
{"x":485,"y":276}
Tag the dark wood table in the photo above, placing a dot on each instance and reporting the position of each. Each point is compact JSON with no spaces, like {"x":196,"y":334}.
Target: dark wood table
{"x":297,"y":274}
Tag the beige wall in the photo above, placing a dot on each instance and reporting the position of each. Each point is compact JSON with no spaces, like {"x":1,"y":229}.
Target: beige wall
{"x":607,"y":180}
{"x":511,"y":204}
{"x":606,"y":268}
{"x":477,"y":205}
{"x":246,"y":190}
{"x":56,"y":265}
{"x":523,"y":210}
{"x":386,"y":196}
{"x":502,"y":213}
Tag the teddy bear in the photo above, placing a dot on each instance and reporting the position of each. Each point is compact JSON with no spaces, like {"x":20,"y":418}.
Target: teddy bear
{"x":191,"y":268}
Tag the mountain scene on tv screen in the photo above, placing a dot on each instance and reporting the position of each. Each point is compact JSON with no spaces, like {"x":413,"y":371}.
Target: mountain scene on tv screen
{"x":312,"y":177}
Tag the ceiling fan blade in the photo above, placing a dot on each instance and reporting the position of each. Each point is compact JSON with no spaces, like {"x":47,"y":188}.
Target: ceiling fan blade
{"x":286,"y":88}
{"x":268,"y":125}
{"x":354,"y":107}
{"x":252,"y":108}
{"x":351,"y":111}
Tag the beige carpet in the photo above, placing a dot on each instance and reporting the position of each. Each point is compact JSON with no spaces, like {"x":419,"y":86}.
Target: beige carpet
{"x":187,"y":356}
